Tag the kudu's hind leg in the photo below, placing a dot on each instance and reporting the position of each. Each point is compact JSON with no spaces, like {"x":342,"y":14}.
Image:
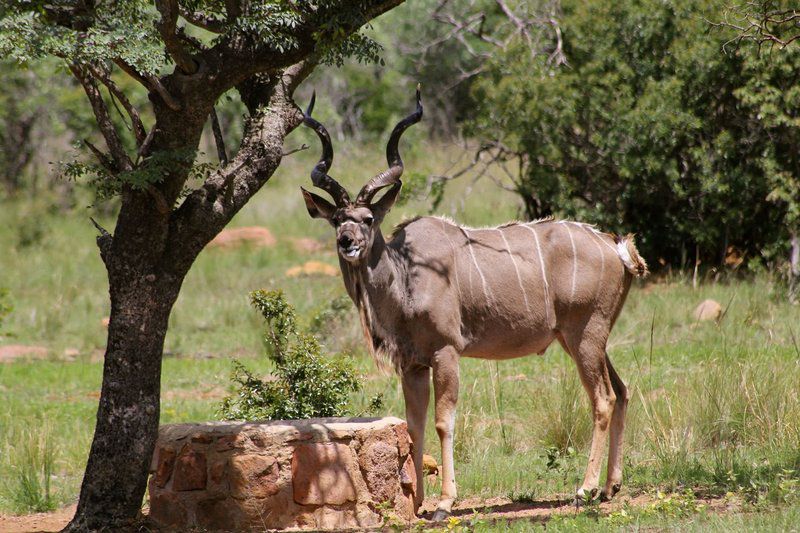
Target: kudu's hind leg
{"x":590,"y":358}
{"x":416,"y":392}
{"x":445,"y":390}
{"x":614,"y":475}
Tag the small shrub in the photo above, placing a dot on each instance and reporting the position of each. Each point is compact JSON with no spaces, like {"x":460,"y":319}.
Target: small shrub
{"x":305,"y":383}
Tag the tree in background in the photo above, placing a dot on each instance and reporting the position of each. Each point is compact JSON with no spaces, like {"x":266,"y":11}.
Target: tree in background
{"x":771,"y":26}
{"x":444,"y":44}
{"x":650,"y":128}
{"x":186,"y":55}
{"x":18,"y":117}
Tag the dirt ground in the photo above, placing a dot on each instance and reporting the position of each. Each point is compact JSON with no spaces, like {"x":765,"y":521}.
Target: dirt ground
{"x":494,"y":509}
{"x":503,"y":509}
{"x":54,"y":521}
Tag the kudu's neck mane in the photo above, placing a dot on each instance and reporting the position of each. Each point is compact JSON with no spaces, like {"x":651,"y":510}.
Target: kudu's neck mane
{"x":374,"y":284}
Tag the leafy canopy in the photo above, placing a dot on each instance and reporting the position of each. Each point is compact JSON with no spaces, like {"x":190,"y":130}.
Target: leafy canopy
{"x":186,"y":54}
{"x":652,"y":128}
{"x":90,"y":32}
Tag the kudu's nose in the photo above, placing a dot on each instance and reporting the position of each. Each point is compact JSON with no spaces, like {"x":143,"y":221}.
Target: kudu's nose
{"x":345,"y":241}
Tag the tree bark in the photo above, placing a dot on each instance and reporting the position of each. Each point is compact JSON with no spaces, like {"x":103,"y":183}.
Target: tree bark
{"x":128,"y":413}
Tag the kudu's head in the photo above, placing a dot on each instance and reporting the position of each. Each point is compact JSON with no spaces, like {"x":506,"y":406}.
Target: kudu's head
{"x":356,"y":222}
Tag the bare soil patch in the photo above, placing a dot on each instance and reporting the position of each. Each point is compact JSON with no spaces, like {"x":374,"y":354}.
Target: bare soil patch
{"x":504,"y":509}
{"x":55,"y":521}
{"x":492,"y":509}
{"x":14,"y":352}
{"x":307,"y":245}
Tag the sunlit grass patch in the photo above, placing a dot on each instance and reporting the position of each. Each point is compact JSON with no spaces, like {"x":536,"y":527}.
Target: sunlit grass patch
{"x":714,"y":406}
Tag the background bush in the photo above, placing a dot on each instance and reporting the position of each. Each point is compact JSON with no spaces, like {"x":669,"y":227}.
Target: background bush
{"x":652,"y":127}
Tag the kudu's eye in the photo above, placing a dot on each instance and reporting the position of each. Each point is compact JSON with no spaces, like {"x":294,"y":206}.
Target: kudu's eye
{"x":368,"y":221}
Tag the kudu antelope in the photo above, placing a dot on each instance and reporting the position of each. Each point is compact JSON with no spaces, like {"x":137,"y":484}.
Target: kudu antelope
{"x":437,"y":291}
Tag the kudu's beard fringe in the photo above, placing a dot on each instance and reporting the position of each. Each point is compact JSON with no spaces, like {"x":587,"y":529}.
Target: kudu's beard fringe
{"x":383,"y":357}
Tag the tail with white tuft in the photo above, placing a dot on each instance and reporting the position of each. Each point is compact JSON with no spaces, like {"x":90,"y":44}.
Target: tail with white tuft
{"x":630,"y":255}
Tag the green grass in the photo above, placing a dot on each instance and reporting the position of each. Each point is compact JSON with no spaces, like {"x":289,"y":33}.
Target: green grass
{"x":715,"y":408}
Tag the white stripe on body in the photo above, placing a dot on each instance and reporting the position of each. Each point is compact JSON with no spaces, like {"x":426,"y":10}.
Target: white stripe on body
{"x":486,"y":290}
{"x":593,"y":237}
{"x":516,"y":269}
{"x":455,"y":257}
{"x":544,"y":274}
{"x":574,"y":260}
{"x":597,"y":234}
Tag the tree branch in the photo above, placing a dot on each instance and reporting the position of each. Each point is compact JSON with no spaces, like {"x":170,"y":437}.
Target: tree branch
{"x":118,"y":154}
{"x":219,"y":140}
{"x":150,"y":82}
{"x":300,"y":148}
{"x":201,"y":20}
{"x":132,"y":72}
{"x":755,"y":21}
{"x":104,"y":241}
{"x":162,"y":91}
{"x":210,"y":207}
{"x":234,"y":59}
{"x":167,"y":28}
{"x":161,"y":203}
{"x":104,"y":160}
{"x":136,"y":121}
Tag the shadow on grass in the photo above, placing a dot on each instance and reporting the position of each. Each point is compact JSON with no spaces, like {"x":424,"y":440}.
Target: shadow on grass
{"x":528,"y":508}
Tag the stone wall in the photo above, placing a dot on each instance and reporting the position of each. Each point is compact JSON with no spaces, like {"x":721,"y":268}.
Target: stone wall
{"x":329,"y":473}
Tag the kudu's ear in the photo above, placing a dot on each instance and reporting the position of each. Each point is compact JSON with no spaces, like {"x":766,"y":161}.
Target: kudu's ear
{"x":382,"y":206}
{"x":317,"y":206}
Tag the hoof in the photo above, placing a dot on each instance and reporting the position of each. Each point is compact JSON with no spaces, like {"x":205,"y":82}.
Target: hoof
{"x":606,"y":496}
{"x":440,"y":515}
{"x":584,"y":498}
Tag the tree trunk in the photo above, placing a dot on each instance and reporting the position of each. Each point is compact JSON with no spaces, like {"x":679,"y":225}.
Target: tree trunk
{"x":128,"y":413}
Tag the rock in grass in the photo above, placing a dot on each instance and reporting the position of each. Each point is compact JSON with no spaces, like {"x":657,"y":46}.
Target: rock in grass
{"x":234,"y":237}
{"x":429,"y":465}
{"x":708,"y":310}
{"x":312,"y":268}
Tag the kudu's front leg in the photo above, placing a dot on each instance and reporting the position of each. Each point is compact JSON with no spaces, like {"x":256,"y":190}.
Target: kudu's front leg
{"x":416,"y":391}
{"x":445,"y":390}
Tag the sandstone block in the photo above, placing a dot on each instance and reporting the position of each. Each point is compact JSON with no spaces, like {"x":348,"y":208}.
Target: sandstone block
{"x":379,"y":463}
{"x":165,"y":462}
{"x":190,"y":470}
{"x":321,"y":474}
{"x":167,"y":509}
{"x":253,"y":476}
